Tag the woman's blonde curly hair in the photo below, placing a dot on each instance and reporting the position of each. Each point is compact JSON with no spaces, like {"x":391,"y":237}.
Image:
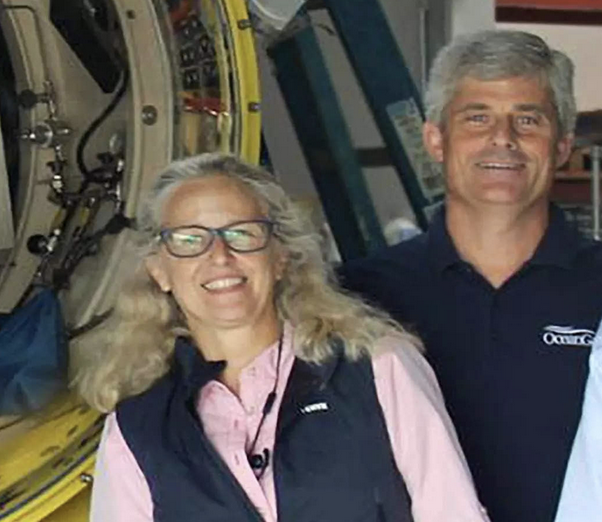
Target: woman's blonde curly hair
{"x":126,"y":354}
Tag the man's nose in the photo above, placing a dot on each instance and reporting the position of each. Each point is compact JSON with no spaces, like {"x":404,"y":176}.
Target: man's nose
{"x":504,"y":134}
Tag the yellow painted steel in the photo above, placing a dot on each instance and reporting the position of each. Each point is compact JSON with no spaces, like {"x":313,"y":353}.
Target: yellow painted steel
{"x":47,"y":460}
{"x":75,"y":510}
{"x":247,"y":75}
{"x":237,"y":120}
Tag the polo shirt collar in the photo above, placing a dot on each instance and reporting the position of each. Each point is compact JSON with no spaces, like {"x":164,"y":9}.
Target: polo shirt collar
{"x":558,"y":247}
{"x":560,"y":243}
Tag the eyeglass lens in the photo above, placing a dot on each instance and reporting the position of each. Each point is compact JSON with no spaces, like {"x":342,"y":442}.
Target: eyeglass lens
{"x":247,"y":236}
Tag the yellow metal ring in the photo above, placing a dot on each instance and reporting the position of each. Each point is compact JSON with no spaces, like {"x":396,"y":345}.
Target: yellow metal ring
{"x":247,"y":75}
{"x":47,"y":460}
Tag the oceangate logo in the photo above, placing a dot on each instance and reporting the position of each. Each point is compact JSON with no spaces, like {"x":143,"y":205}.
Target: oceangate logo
{"x":567,"y":336}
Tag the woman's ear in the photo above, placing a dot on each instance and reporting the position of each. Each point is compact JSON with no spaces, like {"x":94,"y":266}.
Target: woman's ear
{"x":281,"y":263}
{"x":154,"y":266}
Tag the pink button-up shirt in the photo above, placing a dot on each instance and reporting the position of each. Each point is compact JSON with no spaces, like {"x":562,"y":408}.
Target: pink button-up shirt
{"x":423,"y":439}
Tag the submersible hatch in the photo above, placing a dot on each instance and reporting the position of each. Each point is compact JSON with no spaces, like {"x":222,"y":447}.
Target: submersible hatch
{"x":95,"y":97}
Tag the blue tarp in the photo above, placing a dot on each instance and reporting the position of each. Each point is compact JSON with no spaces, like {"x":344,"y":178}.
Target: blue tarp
{"x":33,"y":355}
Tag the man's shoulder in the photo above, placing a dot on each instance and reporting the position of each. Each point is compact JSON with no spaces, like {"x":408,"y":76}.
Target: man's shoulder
{"x":582,"y":252}
{"x":407,"y":255}
{"x":589,"y":256}
{"x":391,"y":278}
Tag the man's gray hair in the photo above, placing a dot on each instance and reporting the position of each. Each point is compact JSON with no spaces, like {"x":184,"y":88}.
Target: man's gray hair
{"x":498,"y":54}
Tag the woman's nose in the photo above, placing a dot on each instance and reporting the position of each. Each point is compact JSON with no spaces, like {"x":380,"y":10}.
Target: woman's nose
{"x":219,"y":250}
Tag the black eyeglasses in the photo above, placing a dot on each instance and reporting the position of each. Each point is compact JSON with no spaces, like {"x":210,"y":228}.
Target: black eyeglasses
{"x":195,"y":240}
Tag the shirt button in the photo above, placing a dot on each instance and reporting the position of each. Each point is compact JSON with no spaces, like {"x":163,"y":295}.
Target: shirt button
{"x":236,"y":459}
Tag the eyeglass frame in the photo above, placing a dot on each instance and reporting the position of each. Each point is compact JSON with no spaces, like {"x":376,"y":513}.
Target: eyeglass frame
{"x":270,"y":225}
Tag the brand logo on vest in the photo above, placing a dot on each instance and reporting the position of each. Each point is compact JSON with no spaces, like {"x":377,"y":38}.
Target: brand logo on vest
{"x":316,"y":406}
{"x":567,"y":336}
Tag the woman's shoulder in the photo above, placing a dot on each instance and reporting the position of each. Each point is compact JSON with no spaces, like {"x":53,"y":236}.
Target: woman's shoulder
{"x":152,"y":400}
{"x":398,"y":348}
{"x":400,"y":362}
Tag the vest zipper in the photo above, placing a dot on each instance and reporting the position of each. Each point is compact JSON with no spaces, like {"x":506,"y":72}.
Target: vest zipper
{"x":226,"y":471}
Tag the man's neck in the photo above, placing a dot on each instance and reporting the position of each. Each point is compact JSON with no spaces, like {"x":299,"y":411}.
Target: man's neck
{"x":497,"y":242}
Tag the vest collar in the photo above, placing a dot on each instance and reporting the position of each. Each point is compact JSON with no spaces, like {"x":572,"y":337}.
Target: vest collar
{"x":306,"y":378}
{"x":192,"y":370}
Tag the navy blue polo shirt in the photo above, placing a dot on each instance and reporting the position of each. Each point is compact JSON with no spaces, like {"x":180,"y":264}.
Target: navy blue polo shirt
{"x":512,"y":362}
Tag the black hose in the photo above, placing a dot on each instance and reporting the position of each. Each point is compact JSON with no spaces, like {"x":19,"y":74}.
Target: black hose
{"x":96,"y":123}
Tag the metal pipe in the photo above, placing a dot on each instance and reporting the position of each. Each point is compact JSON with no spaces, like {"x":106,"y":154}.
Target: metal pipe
{"x":423,"y":14}
{"x":596,"y":155}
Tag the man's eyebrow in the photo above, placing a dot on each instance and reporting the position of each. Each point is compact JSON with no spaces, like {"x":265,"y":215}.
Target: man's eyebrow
{"x":530,"y":107}
{"x":473,"y":106}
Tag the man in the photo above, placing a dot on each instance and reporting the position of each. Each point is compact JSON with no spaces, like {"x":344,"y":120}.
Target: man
{"x":505,"y":295}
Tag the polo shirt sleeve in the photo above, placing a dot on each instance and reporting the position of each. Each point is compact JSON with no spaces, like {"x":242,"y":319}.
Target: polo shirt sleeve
{"x":423,"y":439}
{"x":120,"y":492}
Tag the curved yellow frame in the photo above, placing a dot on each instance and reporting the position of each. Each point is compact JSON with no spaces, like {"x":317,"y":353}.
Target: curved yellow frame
{"x":53,"y":458}
{"x":245,"y":62}
{"x":48,"y":461}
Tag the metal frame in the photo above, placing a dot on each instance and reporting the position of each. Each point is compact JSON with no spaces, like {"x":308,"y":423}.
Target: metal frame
{"x":395,"y":104}
{"x":322,"y":132}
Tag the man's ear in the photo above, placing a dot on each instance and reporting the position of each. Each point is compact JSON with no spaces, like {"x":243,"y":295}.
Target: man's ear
{"x":564,"y":147}
{"x":155,"y":268}
{"x":432,"y":137}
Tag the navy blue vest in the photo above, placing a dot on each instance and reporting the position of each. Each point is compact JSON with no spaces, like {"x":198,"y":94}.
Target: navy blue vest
{"x":333,"y":465}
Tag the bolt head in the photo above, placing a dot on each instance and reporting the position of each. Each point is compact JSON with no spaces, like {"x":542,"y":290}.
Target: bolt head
{"x":149,"y":114}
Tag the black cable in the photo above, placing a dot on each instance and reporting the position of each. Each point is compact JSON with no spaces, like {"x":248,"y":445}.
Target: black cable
{"x":117,"y":223}
{"x":97,"y":122}
{"x":267,"y":407}
{"x":95,"y":321}
{"x":82,"y":247}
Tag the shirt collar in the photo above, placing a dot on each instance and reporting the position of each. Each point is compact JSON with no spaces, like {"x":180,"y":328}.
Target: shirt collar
{"x":259,"y":375}
{"x":558,"y":247}
{"x":560,"y":243}
{"x":191,"y":369}
{"x":195,"y":371}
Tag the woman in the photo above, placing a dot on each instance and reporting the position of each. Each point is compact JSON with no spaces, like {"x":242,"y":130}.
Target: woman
{"x":243,"y":385}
